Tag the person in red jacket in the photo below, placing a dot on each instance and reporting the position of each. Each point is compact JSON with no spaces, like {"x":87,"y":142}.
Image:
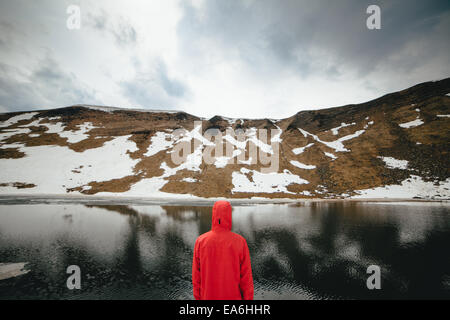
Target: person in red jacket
{"x":221,"y":268}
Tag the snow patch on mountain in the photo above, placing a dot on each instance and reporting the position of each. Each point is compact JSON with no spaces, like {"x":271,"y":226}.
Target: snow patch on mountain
{"x":411,"y":124}
{"x":332,"y":156}
{"x":113,"y":109}
{"x":72,"y":169}
{"x":393,"y":163}
{"x":72,"y":136}
{"x":77,"y":135}
{"x":412,"y":187}
{"x":368,"y":124}
{"x":12,"y":132}
{"x":335,"y":131}
{"x":300,"y":150}
{"x":337,"y":145}
{"x":15,"y":119}
{"x":221,"y":162}
{"x":264,"y":182}
{"x":160,"y":141}
{"x":302,"y":165}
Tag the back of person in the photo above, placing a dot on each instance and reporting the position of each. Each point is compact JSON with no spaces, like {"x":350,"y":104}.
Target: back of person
{"x":221,"y":268}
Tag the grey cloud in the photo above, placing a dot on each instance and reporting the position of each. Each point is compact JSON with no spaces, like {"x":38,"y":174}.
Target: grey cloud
{"x":46,"y":87}
{"x":271,"y":34}
{"x":123,"y":32}
{"x":153,"y":88}
{"x":98,"y":22}
{"x":172,"y":87}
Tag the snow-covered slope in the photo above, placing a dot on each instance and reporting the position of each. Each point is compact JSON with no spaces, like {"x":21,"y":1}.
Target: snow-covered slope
{"x":392,"y":147}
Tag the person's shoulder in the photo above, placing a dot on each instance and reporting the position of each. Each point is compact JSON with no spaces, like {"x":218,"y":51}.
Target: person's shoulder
{"x":203,"y":236}
{"x":238,"y":237}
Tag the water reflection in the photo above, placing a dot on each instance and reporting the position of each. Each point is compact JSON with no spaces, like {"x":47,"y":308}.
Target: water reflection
{"x":313,"y":251}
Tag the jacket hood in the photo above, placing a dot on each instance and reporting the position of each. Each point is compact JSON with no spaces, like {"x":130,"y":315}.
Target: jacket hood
{"x":221,"y":215}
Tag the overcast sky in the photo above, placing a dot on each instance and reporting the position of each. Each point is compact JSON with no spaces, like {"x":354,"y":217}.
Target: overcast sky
{"x":261,"y":58}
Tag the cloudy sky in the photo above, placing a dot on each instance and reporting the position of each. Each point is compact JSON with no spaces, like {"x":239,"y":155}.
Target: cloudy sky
{"x":237,"y":58}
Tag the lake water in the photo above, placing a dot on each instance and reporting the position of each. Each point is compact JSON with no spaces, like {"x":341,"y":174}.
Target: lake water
{"x":318,"y":250}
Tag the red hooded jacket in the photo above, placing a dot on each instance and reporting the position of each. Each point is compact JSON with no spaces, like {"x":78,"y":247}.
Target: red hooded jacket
{"x":221,"y":268}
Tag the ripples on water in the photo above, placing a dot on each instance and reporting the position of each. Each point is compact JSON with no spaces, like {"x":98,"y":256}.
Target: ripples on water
{"x":313,"y":251}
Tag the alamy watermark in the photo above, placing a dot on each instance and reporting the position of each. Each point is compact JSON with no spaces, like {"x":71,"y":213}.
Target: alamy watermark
{"x":74,"y":280}
{"x":373,"y":22}
{"x":214,"y":147}
{"x":374,"y":280}
{"x":73,"y":21}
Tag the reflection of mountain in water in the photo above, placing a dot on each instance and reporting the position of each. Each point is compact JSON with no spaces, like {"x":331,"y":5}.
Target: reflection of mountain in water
{"x":315,"y":251}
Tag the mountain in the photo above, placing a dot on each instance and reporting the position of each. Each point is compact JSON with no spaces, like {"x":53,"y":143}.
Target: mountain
{"x":396,"y":146}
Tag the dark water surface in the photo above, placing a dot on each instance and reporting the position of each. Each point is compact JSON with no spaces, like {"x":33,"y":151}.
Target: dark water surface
{"x":318,"y":250}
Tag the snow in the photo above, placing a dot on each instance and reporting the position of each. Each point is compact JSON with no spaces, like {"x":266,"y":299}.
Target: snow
{"x":11,"y":270}
{"x":221,"y":162}
{"x":231,"y":121}
{"x":150,"y":188}
{"x":337,"y":145}
{"x":238,"y":144}
{"x":7,"y":133}
{"x":160,"y":141}
{"x":34,"y":123}
{"x":112,"y":109}
{"x":248,"y":161}
{"x":343,"y":125}
{"x":321,"y":189}
{"x":53,"y":127}
{"x":58,"y":128}
{"x":15,"y":119}
{"x":191,"y":163}
{"x":300,"y":150}
{"x":260,"y":144}
{"x":79,"y":135}
{"x":443,"y":115}
{"x":368,"y":124}
{"x":302,"y":165}
{"x":417,"y":110}
{"x":409,"y":188}
{"x":85,"y":188}
{"x":276,"y":138}
{"x":264,"y":182}
{"x":39,"y":167}
{"x":195,"y":134}
{"x":393,"y":163}
{"x":251,"y":136}
{"x":332,"y":156}
{"x":351,"y":136}
{"x":189,"y":179}
{"x":411,"y":124}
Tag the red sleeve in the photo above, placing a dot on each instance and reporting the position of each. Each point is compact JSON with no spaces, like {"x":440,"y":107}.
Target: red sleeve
{"x":196,"y":278}
{"x":246,"y":282}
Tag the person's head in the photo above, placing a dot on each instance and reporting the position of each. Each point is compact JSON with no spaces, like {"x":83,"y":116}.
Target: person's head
{"x":221,"y":215}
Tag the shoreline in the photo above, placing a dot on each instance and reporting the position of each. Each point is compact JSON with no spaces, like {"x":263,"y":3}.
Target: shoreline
{"x":63,"y":198}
